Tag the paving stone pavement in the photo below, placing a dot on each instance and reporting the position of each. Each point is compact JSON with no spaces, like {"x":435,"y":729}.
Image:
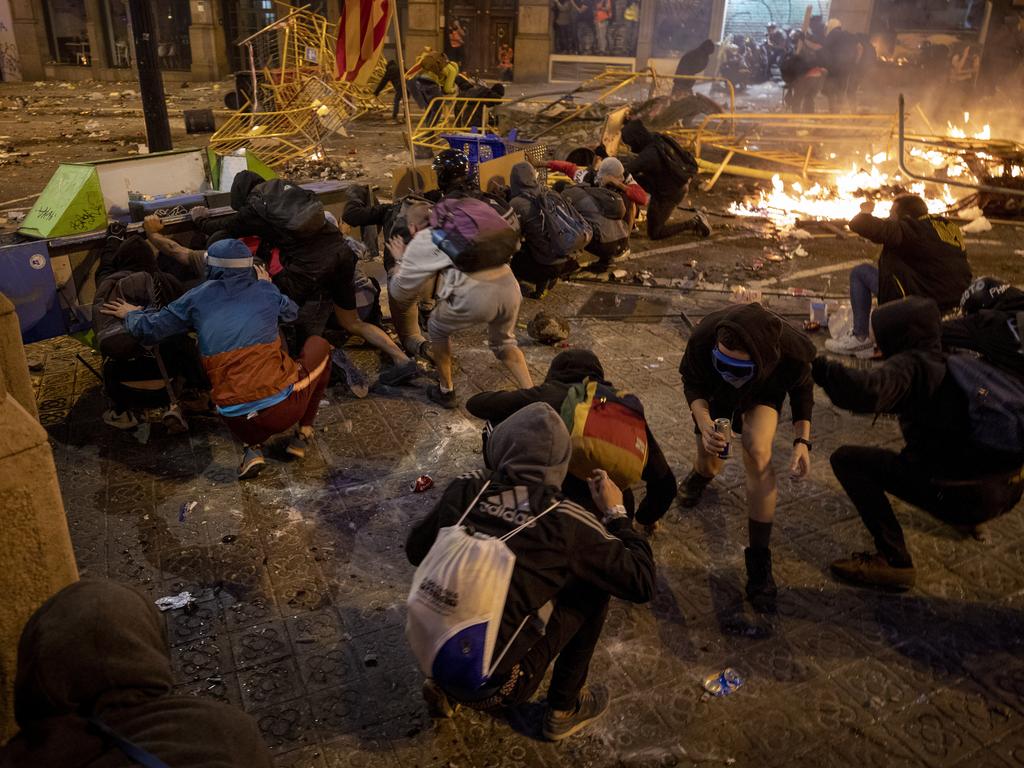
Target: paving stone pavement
{"x":300,"y":579}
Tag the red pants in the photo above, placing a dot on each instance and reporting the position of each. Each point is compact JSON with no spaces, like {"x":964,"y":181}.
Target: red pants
{"x":299,"y":407}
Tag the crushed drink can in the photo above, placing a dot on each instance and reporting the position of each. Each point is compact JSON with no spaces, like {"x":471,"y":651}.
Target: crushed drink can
{"x":723,"y":683}
{"x":724,"y":428}
{"x":423,"y":483}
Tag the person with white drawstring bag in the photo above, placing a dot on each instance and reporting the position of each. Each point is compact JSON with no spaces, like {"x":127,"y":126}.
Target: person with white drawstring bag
{"x":512,"y":577}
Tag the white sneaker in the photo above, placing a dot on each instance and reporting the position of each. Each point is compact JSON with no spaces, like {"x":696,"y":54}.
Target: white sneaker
{"x":850,"y":345}
{"x":117,"y":420}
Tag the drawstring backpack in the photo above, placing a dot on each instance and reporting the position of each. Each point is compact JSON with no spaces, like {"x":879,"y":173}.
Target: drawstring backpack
{"x":456,"y":603}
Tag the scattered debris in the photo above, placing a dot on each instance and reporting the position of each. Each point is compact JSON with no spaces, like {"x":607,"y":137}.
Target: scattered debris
{"x":548,"y":328}
{"x":423,"y":483}
{"x":370,"y":659}
{"x":174,"y":602}
{"x":723,"y":683}
{"x":186,"y":509}
{"x":980,"y":224}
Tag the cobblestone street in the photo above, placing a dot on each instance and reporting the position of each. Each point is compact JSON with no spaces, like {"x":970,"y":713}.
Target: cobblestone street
{"x":300,"y":579}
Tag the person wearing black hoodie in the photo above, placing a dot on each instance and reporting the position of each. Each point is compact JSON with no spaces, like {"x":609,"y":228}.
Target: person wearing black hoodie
{"x":93,"y":688}
{"x":530,"y":263}
{"x":939,"y":469}
{"x":664,"y":170}
{"x":740,"y":364}
{"x":568,"y":563}
{"x":691,"y":63}
{"x":567,"y":369}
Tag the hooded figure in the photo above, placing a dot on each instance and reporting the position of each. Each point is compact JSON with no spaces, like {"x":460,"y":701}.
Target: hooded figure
{"x":993,"y":329}
{"x":691,"y":63}
{"x":244,"y":222}
{"x":98,"y":650}
{"x":567,"y":369}
{"x":566,"y":565}
{"x":531,"y":263}
{"x":939,"y":469}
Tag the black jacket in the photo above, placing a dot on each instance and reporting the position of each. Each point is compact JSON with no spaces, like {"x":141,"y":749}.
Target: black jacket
{"x":97,"y":648}
{"x":920,"y":257}
{"x":567,"y":543}
{"x":244,"y":222}
{"x":993,"y":333}
{"x":782,"y":354}
{"x":649,"y":165}
{"x":391,"y":75}
{"x":567,"y":369}
{"x":913,"y":384}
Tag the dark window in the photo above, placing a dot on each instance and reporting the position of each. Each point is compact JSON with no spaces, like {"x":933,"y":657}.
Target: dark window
{"x":66,"y":30}
{"x":172,"y":19}
{"x":118,"y":33}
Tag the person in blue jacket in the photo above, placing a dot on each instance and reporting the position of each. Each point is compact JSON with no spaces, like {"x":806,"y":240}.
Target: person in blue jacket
{"x":258,"y":389}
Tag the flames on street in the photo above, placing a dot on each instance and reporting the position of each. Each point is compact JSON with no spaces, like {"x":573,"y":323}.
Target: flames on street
{"x":839,"y":197}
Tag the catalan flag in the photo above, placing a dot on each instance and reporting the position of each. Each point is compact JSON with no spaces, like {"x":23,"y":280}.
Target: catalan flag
{"x":361,"y":31}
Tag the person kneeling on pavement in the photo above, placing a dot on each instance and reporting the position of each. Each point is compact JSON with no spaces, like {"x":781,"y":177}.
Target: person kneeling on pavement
{"x":739,"y":366}
{"x":258,"y":389}
{"x":505,"y":537}
{"x":94,"y":687}
{"x":942,"y":468}
{"x":488,"y":297}
{"x":921,"y":255}
{"x":609,"y":205}
{"x":568,"y":370}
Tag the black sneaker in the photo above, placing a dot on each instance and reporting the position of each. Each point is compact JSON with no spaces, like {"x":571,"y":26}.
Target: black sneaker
{"x":701,"y":225}
{"x":761,"y":589}
{"x":423,"y":352}
{"x":444,"y":399}
{"x":692,"y":488}
{"x":559,"y":724}
{"x":870,"y":569}
{"x":399,"y":374}
{"x":252,"y":463}
{"x":354,"y":378}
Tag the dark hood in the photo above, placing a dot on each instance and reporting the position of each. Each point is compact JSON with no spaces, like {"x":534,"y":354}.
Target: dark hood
{"x":531,"y":446}
{"x":93,"y":642}
{"x":636,"y":135}
{"x":523,"y":180}
{"x":135,"y":255}
{"x":573,"y":366}
{"x":766,"y":337}
{"x":241,"y":186}
{"x":913,"y":323}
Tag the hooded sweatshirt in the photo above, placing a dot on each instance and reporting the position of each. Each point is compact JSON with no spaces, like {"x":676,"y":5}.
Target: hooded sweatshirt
{"x":97,"y":648}
{"x":781,"y":353}
{"x":567,"y":369}
{"x":524,"y":192}
{"x":920,"y":257}
{"x":651,"y":166}
{"x":913,"y":385}
{"x":236,"y":317}
{"x":244,"y":222}
{"x":566,"y":543}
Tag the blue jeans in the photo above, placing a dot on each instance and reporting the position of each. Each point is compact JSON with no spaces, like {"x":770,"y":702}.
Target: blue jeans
{"x":863,"y":285}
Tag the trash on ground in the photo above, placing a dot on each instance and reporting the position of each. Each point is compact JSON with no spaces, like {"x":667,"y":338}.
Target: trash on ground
{"x":186,"y":509}
{"x":173,"y":602}
{"x":548,"y":328}
{"x":980,"y":224}
{"x":423,"y":483}
{"x":723,"y":683}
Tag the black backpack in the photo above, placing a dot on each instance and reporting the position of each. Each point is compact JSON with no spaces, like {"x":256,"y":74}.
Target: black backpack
{"x":565,"y":230}
{"x":603,"y":209}
{"x":678,"y":162}
{"x":288,"y":207}
{"x":995,"y":403}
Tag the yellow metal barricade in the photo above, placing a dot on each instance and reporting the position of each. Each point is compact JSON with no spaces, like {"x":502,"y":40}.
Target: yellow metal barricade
{"x":452,"y":114}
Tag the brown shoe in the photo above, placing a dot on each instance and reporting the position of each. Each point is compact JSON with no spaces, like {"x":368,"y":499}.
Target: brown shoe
{"x":870,"y":569}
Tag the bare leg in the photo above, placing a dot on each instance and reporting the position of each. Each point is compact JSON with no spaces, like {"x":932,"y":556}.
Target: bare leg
{"x":515,"y":361}
{"x":759,"y":426}
{"x":442,"y":354}
{"x":351,"y":322}
{"x":707,"y":464}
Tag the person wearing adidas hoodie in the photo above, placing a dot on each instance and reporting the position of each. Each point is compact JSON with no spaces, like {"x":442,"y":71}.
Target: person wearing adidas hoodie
{"x":489,"y":297}
{"x":741,"y":363}
{"x":939,"y":469}
{"x":568,"y":563}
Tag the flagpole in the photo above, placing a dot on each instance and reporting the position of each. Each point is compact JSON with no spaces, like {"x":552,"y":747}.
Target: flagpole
{"x":405,"y":92}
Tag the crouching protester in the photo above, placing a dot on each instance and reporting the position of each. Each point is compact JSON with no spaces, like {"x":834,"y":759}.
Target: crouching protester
{"x":257,"y":388}
{"x":94,"y":688}
{"x":511,"y":577}
{"x":739,"y":366}
{"x":961,"y":461}
{"x":573,"y":372}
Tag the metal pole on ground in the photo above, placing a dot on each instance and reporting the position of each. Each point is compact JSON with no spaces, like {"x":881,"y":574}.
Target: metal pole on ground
{"x":151,"y":84}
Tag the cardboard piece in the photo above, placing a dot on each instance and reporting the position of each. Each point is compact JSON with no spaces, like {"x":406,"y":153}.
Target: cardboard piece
{"x":500,"y":169}
{"x":611,"y":136}
{"x":72,"y":202}
{"x":403,"y":179}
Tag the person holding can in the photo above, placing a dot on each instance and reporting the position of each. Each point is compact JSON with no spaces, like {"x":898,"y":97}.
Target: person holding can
{"x":739,"y":366}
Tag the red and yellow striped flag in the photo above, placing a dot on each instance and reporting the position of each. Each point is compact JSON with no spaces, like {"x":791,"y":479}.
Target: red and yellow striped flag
{"x":361,"y":31}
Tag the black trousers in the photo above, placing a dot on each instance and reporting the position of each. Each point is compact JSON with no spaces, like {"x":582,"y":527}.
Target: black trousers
{"x":659,"y":209}
{"x":569,"y":640}
{"x":868,"y":474}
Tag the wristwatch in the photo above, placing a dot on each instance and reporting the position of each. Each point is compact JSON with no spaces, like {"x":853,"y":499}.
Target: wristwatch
{"x":613,"y":513}
{"x":802,"y":441}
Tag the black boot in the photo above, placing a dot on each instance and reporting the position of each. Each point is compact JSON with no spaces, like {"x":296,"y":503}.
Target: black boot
{"x":761,"y":589}
{"x":692,"y":488}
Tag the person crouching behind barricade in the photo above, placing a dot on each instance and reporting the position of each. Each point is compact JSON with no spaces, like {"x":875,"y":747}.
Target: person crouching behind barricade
{"x":511,"y":578}
{"x":257,"y":388}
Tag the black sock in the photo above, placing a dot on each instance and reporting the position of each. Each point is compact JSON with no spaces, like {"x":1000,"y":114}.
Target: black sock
{"x":760,"y":534}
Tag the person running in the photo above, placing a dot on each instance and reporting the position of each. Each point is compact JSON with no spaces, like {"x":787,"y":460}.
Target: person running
{"x":568,"y":563}
{"x":257,"y":388}
{"x":567,"y":369}
{"x":740,"y":364}
{"x":940,"y":468}
{"x":922,"y":255}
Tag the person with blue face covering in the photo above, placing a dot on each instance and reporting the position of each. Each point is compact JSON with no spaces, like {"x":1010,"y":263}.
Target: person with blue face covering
{"x":740,"y":364}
